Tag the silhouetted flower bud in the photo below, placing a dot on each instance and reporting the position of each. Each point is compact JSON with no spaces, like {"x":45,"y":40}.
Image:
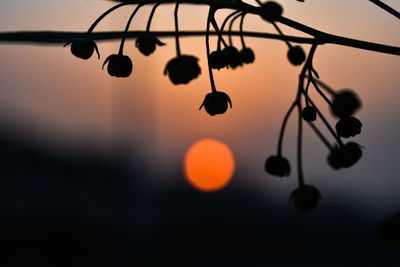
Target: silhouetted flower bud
{"x":309,"y":113}
{"x":345,"y":103}
{"x":84,"y":49}
{"x":216,"y":103}
{"x":232,"y":56}
{"x":305,"y":198}
{"x":218,"y":60}
{"x":335,"y":158}
{"x":345,"y":156}
{"x":119,"y":65}
{"x":271,"y":11}
{"x":247,"y":55}
{"x":347,"y":127}
{"x":296,"y":55}
{"x":182,"y":69}
{"x":147,"y":44}
{"x":351,"y":154}
{"x":277,"y":166}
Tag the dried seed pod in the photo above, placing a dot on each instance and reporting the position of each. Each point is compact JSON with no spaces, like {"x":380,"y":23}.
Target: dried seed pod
{"x":296,"y":55}
{"x":216,"y":103}
{"x":277,"y":166}
{"x":119,"y":65}
{"x":147,"y":45}
{"x":182,"y":69}
{"x":305,"y":198}
{"x":347,"y":127}
{"x":271,"y":11}
{"x":247,"y":55}
{"x":309,"y":113}
{"x":84,"y":49}
{"x":345,"y":103}
{"x":232,"y":57}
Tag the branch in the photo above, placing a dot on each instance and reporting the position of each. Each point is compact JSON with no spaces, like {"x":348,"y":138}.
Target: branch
{"x":51,"y":37}
{"x":321,"y":37}
{"x":386,"y":8}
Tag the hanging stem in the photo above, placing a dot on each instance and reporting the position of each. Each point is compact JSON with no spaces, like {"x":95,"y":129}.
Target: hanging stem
{"x":314,"y":72}
{"x":241,"y":30}
{"x":230,"y":27}
{"x":325,"y":121}
{"x":300,"y":91}
{"x":300,"y":146}
{"x":215,"y":25}
{"x":310,"y":78}
{"x":282,"y":131}
{"x":153,"y":10}
{"x":308,"y":65}
{"x":326,"y":87}
{"x":320,"y":135}
{"x":105,"y":14}
{"x":121,"y":47}
{"x":100,"y":19}
{"x":223,"y":26}
{"x":306,"y":93}
{"x":209,"y":19}
{"x":178,"y":48}
{"x":281,"y":33}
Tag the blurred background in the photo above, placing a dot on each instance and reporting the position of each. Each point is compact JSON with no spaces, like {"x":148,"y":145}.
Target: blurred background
{"x":91,"y":165}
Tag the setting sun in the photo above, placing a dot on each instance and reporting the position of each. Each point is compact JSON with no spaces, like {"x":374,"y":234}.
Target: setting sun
{"x":208,"y":165}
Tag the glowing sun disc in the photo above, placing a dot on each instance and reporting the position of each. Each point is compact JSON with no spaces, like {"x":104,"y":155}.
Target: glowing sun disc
{"x":209,"y":165}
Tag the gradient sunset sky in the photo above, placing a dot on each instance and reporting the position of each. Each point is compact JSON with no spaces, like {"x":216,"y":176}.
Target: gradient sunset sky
{"x":61,"y":99}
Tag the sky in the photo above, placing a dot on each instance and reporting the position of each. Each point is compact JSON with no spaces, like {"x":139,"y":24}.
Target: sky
{"x":54,"y":98}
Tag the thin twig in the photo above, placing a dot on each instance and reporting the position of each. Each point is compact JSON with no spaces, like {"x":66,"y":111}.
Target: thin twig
{"x":326,"y":87}
{"x":386,"y":8}
{"x":241,"y":30}
{"x":121,"y":48}
{"x":223,"y":26}
{"x":300,"y":146}
{"x":231,"y":25}
{"x":283,"y":127}
{"x":310,"y":78}
{"x":97,"y":21}
{"x":300,"y":91}
{"x":320,"y":135}
{"x":281,"y":33}
{"x":151,"y":16}
{"x":325,"y":121}
{"x":178,"y":48}
{"x":215,"y":25}
{"x":209,"y":19}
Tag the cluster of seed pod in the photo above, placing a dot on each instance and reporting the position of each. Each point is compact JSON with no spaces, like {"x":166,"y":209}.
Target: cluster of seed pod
{"x":343,"y":105}
{"x":184,"y":68}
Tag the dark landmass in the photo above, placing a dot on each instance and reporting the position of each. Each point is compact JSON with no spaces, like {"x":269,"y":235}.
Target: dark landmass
{"x":88,"y":209}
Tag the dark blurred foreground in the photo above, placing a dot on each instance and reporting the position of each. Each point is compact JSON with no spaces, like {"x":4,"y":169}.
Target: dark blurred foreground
{"x":87,"y":209}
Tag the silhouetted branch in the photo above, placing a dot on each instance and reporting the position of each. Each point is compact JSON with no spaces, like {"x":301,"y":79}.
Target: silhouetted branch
{"x":53,"y":37}
{"x":241,"y":6}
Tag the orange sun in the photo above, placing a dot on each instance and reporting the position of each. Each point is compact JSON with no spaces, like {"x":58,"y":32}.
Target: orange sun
{"x":209,"y":165}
